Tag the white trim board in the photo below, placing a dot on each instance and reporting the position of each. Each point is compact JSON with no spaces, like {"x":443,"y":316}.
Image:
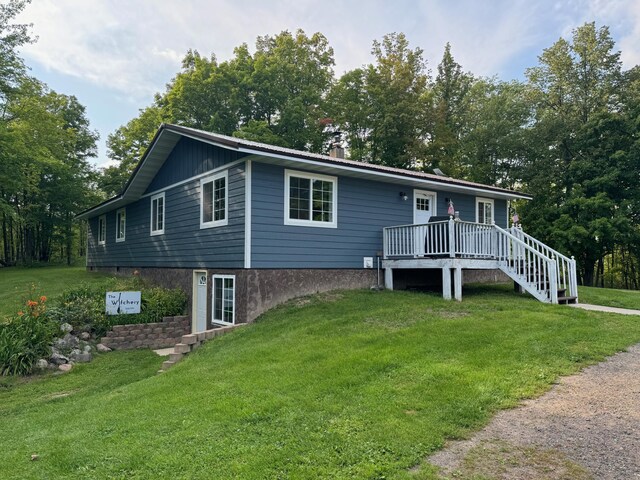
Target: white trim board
{"x":247,"y":215}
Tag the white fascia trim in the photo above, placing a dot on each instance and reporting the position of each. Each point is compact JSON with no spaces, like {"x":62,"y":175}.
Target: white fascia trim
{"x":312,"y":176}
{"x":195,"y":177}
{"x":430,"y":183}
{"x":164,"y":214}
{"x":215,"y":223}
{"x":247,"y":215}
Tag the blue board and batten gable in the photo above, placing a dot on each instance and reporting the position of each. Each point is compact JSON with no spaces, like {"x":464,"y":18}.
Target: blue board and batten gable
{"x":183,"y":244}
{"x":256,"y":234}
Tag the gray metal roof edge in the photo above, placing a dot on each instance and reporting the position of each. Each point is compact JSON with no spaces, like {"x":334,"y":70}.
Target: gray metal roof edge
{"x":234,"y":143}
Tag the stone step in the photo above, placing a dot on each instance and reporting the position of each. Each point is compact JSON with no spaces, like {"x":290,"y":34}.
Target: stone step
{"x":175,"y":357}
{"x":182,"y":348}
{"x":167,"y":364}
{"x":190,"y":339}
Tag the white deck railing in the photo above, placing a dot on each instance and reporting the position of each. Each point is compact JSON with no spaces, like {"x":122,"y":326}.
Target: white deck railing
{"x":565,"y":266}
{"x":538,"y":268}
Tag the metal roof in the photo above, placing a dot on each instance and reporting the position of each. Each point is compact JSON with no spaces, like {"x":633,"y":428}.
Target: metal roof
{"x":168,"y":136}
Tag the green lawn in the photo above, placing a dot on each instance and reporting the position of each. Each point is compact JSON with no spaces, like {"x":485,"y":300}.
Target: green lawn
{"x":344,"y":385}
{"x":17,"y":283}
{"x":610,"y":297}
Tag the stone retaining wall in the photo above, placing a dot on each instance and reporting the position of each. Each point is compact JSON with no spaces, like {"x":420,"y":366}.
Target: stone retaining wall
{"x":148,"y":335}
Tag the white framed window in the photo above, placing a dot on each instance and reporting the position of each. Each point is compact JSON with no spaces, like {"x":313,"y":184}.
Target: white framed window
{"x":102,"y":230}
{"x":224,"y":299}
{"x":214,"y":194}
{"x":310,"y":199}
{"x":121,"y":224}
{"x":157,"y":214}
{"x":484,"y":210}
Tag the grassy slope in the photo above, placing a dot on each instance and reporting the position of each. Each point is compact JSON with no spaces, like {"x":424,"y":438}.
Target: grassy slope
{"x":610,"y":297}
{"x":352,"y":385}
{"x":17,"y":283}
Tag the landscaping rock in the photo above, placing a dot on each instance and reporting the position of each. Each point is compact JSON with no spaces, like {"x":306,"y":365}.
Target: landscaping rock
{"x":87,"y":349}
{"x":102,"y":348}
{"x":66,"y":327}
{"x":65,"y":367}
{"x":42,"y":364}
{"x":66,"y":343}
{"x":85,"y":336}
{"x":81,"y":357}
{"x":58,"y":359}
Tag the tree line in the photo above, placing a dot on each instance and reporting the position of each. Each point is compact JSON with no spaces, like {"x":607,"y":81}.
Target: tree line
{"x":45,"y":147}
{"x":568,"y":134}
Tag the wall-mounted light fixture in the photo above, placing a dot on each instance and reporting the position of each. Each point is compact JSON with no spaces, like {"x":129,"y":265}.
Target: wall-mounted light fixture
{"x":404,"y":196}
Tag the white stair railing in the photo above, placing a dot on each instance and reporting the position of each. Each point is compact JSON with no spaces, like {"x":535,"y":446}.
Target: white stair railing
{"x":534,"y":271}
{"x":567,"y":278}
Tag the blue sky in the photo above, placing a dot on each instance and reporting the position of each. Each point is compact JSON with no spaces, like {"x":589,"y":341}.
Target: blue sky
{"x":115,"y":54}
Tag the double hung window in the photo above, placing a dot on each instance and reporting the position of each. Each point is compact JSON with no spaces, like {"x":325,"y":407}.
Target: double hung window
{"x":157,"y":214}
{"x":310,"y":199}
{"x":214,"y":200}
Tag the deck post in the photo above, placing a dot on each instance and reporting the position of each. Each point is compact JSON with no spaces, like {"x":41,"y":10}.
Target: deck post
{"x":452,"y":238}
{"x":446,"y":283}
{"x":388,"y":278}
{"x":457,"y":283}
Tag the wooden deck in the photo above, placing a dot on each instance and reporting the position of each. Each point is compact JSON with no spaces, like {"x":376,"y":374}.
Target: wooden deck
{"x":454,"y":246}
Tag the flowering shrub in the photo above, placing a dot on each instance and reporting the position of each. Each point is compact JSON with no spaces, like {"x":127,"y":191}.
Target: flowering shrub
{"x":84,"y":306}
{"x":26,"y":338}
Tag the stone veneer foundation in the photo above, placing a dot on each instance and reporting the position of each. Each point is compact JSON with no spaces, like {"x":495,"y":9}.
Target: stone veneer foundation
{"x":257,"y":290}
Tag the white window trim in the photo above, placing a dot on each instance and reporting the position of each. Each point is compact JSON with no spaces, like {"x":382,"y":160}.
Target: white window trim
{"x":310,"y":223}
{"x":118,"y":212}
{"x":213,"y":178}
{"x":493,"y":209}
{"x":434,"y":206}
{"x":164,"y":214}
{"x":102,"y":219}
{"x":213,"y":298}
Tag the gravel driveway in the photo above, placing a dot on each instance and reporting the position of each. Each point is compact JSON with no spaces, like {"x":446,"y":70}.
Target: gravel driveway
{"x":587,"y":426}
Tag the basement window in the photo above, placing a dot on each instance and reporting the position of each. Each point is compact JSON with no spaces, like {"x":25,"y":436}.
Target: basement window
{"x":224,"y":299}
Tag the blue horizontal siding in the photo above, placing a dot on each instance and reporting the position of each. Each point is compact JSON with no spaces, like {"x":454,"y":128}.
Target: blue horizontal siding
{"x":183,"y":244}
{"x":190,"y":158}
{"x":364,"y":209}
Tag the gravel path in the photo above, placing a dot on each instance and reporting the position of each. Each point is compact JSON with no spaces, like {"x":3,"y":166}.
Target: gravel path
{"x":588,"y":426}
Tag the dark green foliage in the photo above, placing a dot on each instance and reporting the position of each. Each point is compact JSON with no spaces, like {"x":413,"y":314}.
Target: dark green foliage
{"x":23,"y":341}
{"x":84,"y":306}
{"x":45,"y":146}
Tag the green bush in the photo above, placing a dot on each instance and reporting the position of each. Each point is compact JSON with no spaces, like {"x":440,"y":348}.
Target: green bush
{"x":24,"y":340}
{"x":84,"y":306}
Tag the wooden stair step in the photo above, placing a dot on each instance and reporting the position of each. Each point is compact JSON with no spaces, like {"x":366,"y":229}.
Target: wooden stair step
{"x":567,"y":300}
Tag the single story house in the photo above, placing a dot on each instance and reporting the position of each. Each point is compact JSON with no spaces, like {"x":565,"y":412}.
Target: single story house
{"x":244,"y":226}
